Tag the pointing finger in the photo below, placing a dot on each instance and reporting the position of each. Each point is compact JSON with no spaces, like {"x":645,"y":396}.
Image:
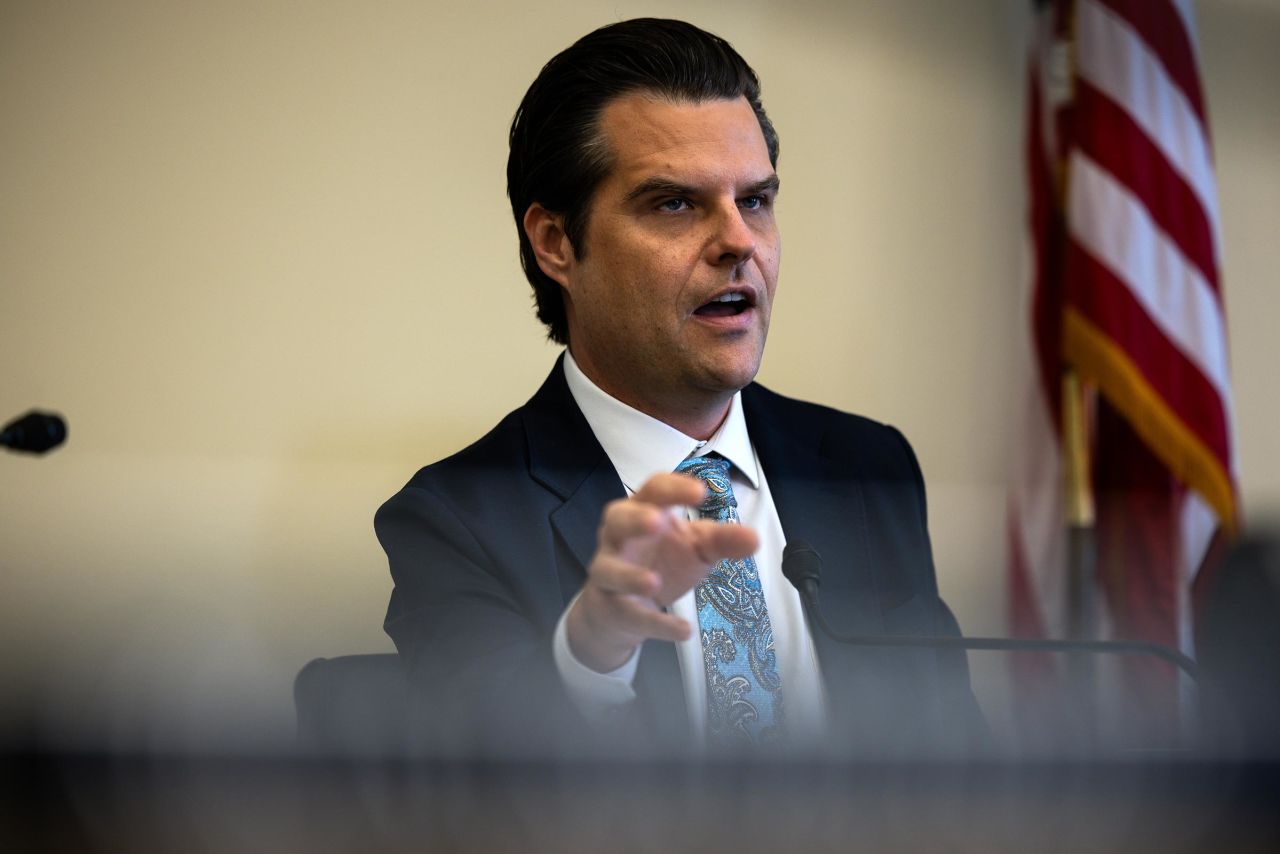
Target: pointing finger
{"x":627,"y":518}
{"x":616,"y":575}
{"x":648,"y":622}
{"x":671,"y":490}
{"x":716,"y":541}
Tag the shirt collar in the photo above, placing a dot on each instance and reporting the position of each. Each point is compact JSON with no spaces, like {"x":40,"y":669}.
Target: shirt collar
{"x":640,"y":446}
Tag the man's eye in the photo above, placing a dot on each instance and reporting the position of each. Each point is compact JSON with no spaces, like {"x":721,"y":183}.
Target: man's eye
{"x":752,"y":203}
{"x":673,"y":205}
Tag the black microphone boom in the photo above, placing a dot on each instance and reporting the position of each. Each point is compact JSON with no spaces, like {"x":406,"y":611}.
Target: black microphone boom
{"x":34,"y":433}
{"x":802,"y":566}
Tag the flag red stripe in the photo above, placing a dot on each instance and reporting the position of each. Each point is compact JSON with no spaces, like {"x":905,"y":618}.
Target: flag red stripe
{"x":1138,"y":505}
{"x":1109,"y":305}
{"x":1160,"y":26}
{"x":1115,"y":141}
{"x":1046,"y":284}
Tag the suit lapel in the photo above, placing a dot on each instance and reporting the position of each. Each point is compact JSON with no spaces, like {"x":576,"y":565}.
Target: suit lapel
{"x":566,"y":458}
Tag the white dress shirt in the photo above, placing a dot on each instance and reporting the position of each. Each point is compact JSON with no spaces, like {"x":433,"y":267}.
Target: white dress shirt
{"x":639,"y":447}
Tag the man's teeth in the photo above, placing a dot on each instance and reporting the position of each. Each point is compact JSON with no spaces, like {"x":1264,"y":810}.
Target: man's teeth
{"x":730,"y":298}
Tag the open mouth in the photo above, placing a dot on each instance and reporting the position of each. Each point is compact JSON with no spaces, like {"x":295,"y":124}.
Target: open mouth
{"x":726,"y":305}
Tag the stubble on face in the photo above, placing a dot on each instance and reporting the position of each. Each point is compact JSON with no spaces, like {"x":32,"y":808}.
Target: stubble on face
{"x":669,"y":305}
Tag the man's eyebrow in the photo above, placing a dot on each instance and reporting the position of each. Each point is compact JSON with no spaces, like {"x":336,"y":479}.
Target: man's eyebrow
{"x":658,"y":185}
{"x":768,"y":185}
{"x":669,"y":187}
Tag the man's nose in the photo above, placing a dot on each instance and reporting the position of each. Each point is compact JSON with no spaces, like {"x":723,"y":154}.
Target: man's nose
{"x":733,"y":241}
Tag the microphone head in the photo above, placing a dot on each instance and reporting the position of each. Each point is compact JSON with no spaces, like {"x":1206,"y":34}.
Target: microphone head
{"x":34,"y":433}
{"x":801,"y":565}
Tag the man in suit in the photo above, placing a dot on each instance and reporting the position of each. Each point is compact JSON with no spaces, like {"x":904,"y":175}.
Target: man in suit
{"x":567,"y":579}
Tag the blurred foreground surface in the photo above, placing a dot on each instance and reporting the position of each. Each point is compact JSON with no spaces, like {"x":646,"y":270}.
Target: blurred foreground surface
{"x":82,"y":802}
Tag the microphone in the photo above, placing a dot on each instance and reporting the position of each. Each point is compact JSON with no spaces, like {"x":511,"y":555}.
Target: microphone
{"x":34,"y":433}
{"x":802,"y":566}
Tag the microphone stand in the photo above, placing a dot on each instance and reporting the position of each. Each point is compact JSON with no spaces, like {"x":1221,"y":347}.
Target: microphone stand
{"x":1172,"y":656}
{"x":802,"y":566}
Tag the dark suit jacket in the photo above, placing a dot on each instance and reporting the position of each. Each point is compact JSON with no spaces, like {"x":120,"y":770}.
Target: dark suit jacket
{"x":488,"y":546}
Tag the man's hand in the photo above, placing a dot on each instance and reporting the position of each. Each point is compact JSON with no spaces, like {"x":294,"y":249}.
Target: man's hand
{"x":646,"y":559}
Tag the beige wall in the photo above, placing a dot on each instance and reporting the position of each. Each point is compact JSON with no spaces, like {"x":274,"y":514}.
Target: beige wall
{"x":259,"y":254}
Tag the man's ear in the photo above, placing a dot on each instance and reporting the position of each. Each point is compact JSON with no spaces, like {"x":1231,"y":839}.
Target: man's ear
{"x":551,"y":245}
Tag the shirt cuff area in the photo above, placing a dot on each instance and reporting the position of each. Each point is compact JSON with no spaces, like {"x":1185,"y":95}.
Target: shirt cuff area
{"x":594,"y":694}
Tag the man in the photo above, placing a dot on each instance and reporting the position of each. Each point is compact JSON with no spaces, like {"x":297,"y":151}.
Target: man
{"x":551,"y":586}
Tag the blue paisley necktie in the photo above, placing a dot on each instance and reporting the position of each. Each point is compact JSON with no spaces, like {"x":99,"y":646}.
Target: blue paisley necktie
{"x":744,"y":692}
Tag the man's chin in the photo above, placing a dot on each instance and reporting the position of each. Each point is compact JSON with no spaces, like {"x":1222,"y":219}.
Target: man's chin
{"x":731,"y":374}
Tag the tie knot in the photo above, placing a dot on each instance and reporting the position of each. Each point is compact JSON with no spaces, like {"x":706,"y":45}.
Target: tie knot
{"x":713,"y":470}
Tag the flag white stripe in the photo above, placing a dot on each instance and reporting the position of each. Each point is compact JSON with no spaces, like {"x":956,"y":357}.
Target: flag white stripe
{"x":1115,"y":227}
{"x":1197,"y":525}
{"x":1045,"y":564}
{"x":1115,"y":59}
{"x":1188,"y":16}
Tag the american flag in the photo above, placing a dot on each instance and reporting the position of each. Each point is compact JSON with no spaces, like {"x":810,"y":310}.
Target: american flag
{"x":1124,"y":291}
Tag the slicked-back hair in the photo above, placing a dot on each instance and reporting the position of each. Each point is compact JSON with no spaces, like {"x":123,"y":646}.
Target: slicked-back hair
{"x":558,"y":153}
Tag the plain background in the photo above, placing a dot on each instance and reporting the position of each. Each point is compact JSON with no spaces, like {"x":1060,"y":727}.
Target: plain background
{"x":260,"y":254}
